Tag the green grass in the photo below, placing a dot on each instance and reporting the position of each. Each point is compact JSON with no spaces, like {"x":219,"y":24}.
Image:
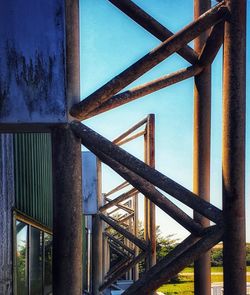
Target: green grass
{"x":186,"y":284}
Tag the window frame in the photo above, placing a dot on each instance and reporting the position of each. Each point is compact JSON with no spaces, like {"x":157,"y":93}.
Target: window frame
{"x":30,"y":222}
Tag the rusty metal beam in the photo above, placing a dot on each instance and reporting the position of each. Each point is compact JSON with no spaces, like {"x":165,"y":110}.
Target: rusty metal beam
{"x":127,"y":266}
{"x":119,"y":199}
{"x":119,"y":207}
{"x":202,"y":135}
{"x":126,"y":218}
{"x":116,"y":267}
{"x":129,"y":131}
{"x":131,"y":251}
{"x":117,"y":188}
{"x":176,"y":252}
{"x":67,"y":207}
{"x":206,"y":57}
{"x":149,"y":206}
{"x":233,"y":158}
{"x":173,"y":263}
{"x":150,"y":60}
{"x":67,"y":186}
{"x":155,"y":196}
{"x":118,"y":250}
{"x":212,"y":45}
{"x":153,"y":26}
{"x":97,"y":239}
{"x":132,"y":137}
{"x":140,"y":243}
{"x":97,"y":144}
{"x":145,"y":89}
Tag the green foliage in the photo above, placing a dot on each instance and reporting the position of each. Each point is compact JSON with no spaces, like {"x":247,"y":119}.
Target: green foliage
{"x":217,"y":257}
{"x":164,"y":244}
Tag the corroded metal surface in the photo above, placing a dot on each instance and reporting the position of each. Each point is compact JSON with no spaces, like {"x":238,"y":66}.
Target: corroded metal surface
{"x":201,"y":150}
{"x":32,"y":61}
{"x":7,"y":199}
{"x":233,"y":158}
{"x":67,"y":213}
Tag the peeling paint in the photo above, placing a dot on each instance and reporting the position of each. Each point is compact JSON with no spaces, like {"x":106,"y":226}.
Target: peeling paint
{"x":32,"y":74}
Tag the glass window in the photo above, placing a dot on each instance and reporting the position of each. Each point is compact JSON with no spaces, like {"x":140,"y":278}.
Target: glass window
{"x":47,"y":264}
{"x":22,"y":258}
{"x":36,"y":261}
{"x":33,"y":260}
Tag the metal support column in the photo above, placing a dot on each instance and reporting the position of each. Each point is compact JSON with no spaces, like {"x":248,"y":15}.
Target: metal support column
{"x":201,"y":152}
{"x":233,"y":165}
{"x":67,"y":213}
{"x":97,"y":240}
{"x":67,"y":175}
{"x":135,"y":206}
{"x":149,"y":206}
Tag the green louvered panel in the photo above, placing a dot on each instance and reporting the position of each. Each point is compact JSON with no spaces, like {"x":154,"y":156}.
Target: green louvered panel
{"x":33,"y":176}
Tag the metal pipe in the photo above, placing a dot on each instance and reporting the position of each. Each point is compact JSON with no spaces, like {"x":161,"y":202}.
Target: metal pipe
{"x":97,"y":240}
{"x":97,"y":143}
{"x":136,"y":249}
{"x":144,"y":89}
{"x":206,"y":57}
{"x":161,"y":273}
{"x":131,"y":251}
{"x":127,"y":265}
{"x":118,"y":200}
{"x":129,"y":131}
{"x":201,"y":151}
{"x":233,"y":158}
{"x":153,"y":26}
{"x":67,"y":185}
{"x":67,"y":212}
{"x":150,"y":60}
{"x":132,"y":137}
{"x":119,"y":187}
{"x":149,"y":205}
{"x":124,"y":232}
{"x":155,"y":196}
{"x":120,"y":207}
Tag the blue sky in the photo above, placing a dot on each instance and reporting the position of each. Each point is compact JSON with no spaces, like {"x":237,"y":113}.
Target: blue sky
{"x":110,"y":42}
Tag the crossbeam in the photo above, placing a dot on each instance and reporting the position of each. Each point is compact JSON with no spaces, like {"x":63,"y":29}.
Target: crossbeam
{"x":173,"y":263}
{"x":117,"y":188}
{"x":150,"y":60}
{"x":127,"y":265}
{"x":140,"y":243}
{"x":119,"y":207}
{"x":206,"y":57}
{"x":154,"y":195}
{"x":97,"y":144}
{"x":131,"y":251}
{"x":129,"y":131}
{"x":119,"y":199}
{"x":152,"y":26}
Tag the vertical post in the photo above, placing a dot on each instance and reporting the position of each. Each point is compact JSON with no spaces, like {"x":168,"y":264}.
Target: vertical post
{"x":135,"y":206}
{"x":97,"y":239}
{"x":67,"y":172}
{"x":149,"y":206}
{"x":233,"y":161}
{"x":201,"y":152}
{"x":7,"y":201}
{"x":67,"y":213}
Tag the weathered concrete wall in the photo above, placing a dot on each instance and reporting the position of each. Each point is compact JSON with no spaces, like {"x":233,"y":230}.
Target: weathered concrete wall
{"x":32,"y":61}
{"x":6,"y":205}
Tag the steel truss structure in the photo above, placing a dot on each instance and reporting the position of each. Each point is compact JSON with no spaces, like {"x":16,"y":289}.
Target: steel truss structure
{"x":224,"y":24}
